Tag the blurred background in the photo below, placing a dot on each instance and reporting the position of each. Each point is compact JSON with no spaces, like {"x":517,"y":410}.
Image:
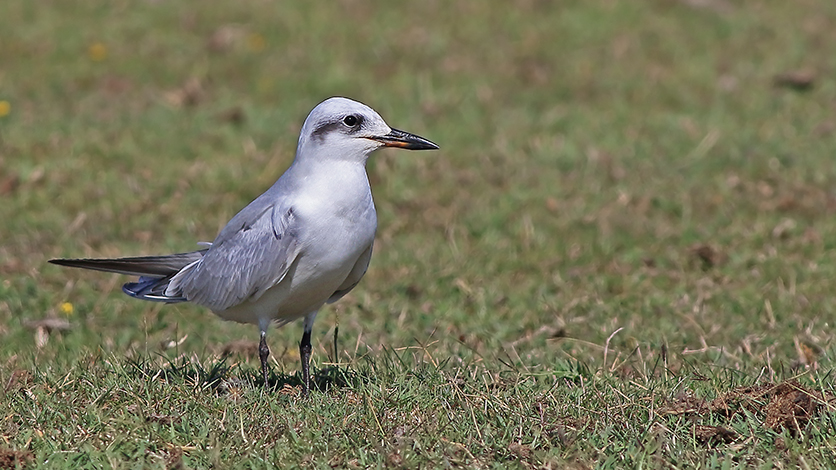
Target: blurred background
{"x":661,"y":166}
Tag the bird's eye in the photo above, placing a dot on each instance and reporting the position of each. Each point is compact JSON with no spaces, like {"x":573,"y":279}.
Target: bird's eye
{"x":350,"y":120}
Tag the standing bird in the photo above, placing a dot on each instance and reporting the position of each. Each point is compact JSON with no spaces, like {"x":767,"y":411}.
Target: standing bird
{"x":305,"y":242}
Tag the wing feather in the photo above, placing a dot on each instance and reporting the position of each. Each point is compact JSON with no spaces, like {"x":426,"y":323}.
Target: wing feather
{"x":241,"y":264}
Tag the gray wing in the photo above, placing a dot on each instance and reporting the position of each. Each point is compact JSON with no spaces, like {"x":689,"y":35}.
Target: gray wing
{"x":357,"y":273}
{"x":251,"y":254}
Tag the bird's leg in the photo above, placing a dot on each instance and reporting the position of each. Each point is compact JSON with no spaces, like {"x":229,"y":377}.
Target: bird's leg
{"x":305,"y":353}
{"x":263,"y":354}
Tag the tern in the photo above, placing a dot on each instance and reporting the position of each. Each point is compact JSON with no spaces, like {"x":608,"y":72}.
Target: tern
{"x":305,"y":242}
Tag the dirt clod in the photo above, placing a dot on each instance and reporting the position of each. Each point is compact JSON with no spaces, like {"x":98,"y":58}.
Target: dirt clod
{"x":15,"y":459}
{"x":713,"y":435}
{"x":707,"y":255}
{"x":798,"y":80}
{"x":792,"y":406}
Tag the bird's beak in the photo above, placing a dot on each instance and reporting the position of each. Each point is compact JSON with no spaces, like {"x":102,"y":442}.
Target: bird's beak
{"x":405,"y":140}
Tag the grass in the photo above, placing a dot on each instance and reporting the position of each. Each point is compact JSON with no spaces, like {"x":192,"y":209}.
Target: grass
{"x":623,"y":255}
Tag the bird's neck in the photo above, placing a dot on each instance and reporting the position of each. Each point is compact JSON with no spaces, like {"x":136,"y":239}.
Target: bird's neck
{"x":346,"y":179}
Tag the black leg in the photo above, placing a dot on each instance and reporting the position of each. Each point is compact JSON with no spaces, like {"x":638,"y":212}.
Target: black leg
{"x":305,"y":354}
{"x":263,"y":353}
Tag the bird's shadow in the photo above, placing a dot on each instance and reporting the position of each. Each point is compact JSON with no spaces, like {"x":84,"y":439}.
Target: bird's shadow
{"x":221,"y":378}
{"x":322,"y":380}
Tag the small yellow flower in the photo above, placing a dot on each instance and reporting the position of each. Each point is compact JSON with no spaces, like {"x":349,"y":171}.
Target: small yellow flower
{"x":97,"y":52}
{"x":5,"y":108}
{"x":256,"y":42}
{"x":66,"y":308}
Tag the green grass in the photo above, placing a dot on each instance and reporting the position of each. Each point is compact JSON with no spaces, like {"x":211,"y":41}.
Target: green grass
{"x":627,"y":216}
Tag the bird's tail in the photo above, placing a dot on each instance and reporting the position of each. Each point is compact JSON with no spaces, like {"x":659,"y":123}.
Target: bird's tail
{"x":155,"y":272}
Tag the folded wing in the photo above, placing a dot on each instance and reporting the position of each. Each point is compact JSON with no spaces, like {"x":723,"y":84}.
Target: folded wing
{"x":245,"y":261}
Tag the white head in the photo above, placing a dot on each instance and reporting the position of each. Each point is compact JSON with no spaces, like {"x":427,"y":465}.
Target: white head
{"x":343,"y":129}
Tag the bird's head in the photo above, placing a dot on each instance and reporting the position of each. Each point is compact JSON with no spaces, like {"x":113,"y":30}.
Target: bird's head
{"x":343,"y":129}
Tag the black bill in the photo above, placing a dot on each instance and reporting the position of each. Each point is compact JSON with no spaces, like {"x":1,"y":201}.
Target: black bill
{"x":405,"y":140}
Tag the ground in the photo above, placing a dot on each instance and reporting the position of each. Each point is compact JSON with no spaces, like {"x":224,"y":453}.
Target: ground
{"x":622,"y":256}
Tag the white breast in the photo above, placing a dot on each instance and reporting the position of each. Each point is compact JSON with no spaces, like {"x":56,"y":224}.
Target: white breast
{"x":339,"y":223}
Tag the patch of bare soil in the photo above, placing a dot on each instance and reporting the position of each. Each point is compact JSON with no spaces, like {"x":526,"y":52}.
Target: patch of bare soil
{"x":787,"y":405}
{"x":15,"y":459}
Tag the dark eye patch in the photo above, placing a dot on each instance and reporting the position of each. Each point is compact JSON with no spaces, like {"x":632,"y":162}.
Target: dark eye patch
{"x":338,"y":125}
